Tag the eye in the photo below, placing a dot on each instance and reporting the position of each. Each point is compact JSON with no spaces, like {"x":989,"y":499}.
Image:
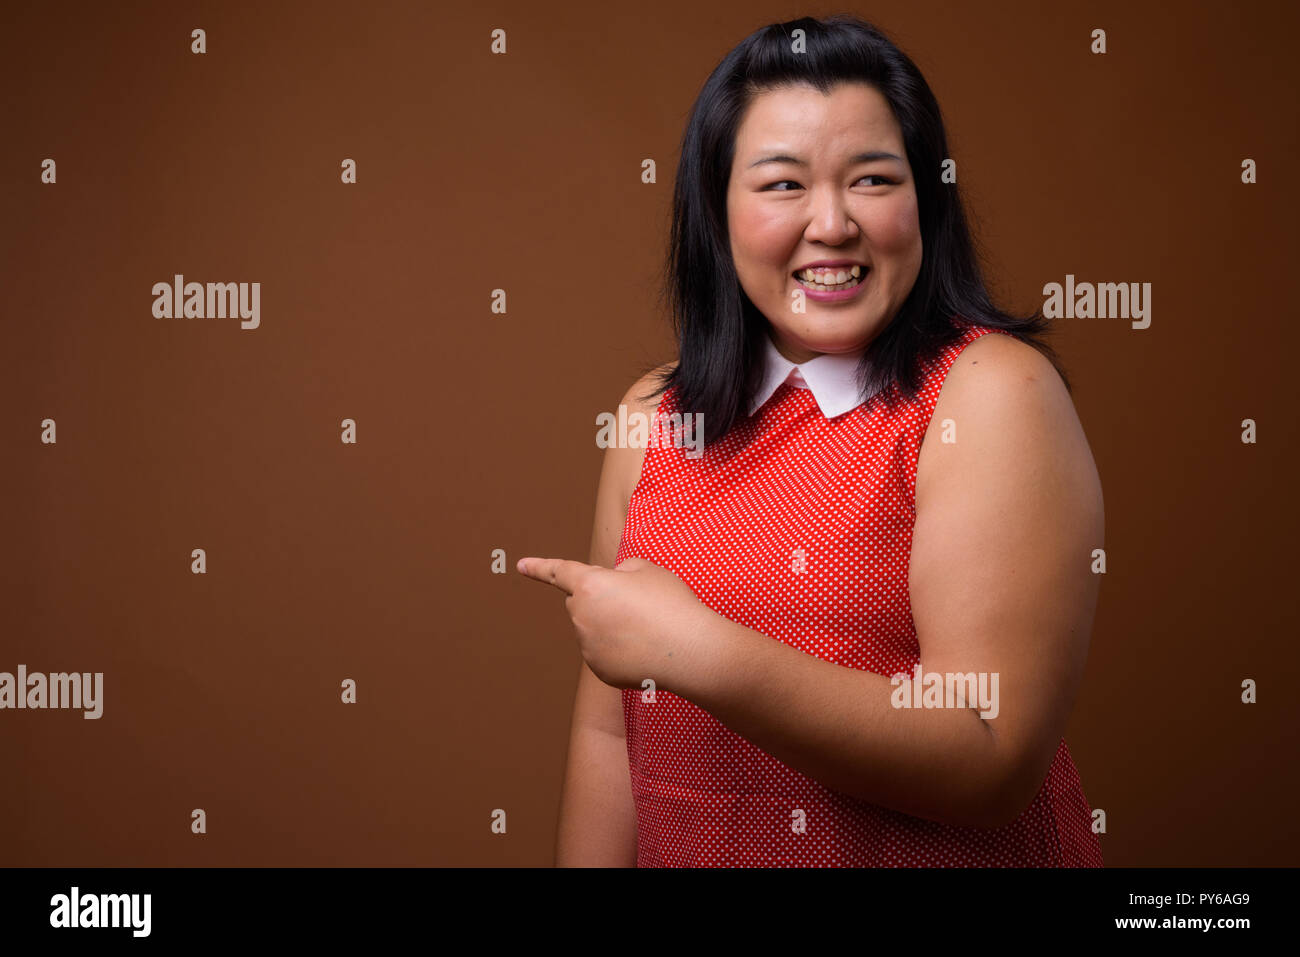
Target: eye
{"x":884,"y":180}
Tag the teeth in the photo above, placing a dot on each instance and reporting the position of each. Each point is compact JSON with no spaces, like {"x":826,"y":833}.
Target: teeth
{"x":822,"y":276}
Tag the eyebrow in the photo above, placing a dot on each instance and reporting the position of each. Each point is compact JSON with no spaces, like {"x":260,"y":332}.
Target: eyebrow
{"x":868,"y":157}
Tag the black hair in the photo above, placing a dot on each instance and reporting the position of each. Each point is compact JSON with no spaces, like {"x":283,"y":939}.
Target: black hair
{"x":719,"y":331}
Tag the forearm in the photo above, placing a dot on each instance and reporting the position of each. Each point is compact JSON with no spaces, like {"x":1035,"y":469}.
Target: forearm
{"x":597,"y":821}
{"x":837,"y":725}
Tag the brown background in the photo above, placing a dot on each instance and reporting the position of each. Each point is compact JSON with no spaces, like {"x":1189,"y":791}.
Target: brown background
{"x":522,"y":171}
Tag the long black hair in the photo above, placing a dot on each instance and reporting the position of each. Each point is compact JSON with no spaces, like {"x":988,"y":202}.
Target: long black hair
{"x":719,"y":330}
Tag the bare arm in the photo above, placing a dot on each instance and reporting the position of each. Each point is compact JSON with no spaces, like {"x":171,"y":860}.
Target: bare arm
{"x":1000,"y":582}
{"x":597,"y":824}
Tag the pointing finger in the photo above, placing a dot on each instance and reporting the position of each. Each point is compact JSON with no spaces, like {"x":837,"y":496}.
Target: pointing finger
{"x":560,"y":572}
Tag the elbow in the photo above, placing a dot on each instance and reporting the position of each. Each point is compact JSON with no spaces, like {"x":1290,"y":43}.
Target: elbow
{"x":1000,"y":783}
{"x":1002,"y":810}
{"x":992,"y":800}
{"x":989,"y":808}
{"x":990,"y":790}
{"x":1008,"y":794}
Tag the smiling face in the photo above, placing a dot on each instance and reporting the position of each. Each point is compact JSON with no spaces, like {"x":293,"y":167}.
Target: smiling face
{"x":823,"y":178}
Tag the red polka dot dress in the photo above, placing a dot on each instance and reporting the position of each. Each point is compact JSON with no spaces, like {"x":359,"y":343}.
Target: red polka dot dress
{"x":799,"y":526}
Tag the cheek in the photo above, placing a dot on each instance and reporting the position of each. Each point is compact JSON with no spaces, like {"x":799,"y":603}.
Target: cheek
{"x":759,"y":238}
{"x":896,"y":228}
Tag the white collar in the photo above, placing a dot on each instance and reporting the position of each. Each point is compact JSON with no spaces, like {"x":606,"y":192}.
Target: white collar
{"x":831,"y":378}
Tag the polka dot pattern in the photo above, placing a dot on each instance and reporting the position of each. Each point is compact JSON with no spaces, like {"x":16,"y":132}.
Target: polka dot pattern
{"x":800,"y":528}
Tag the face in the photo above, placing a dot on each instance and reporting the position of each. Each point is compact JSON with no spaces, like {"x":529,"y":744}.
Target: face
{"x":802,"y":192}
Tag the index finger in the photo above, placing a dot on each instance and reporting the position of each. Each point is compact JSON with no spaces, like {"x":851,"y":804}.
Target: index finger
{"x":563,"y":573}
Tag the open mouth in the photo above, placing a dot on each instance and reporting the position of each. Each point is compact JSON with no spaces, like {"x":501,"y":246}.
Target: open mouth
{"x":848,"y":283}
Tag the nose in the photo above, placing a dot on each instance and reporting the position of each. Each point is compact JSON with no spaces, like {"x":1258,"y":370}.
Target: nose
{"x":829,"y":221}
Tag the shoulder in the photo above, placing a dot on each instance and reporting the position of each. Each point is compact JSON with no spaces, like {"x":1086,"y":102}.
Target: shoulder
{"x":642,"y":396}
{"x":1002,"y":351}
{"x":997,"y":372}
{"x":1002,"y":405}
{"x":620,"y":471}
{"x":624,"y":463}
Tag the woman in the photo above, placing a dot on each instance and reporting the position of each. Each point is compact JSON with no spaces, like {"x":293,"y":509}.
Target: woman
{"x":851,"y":632}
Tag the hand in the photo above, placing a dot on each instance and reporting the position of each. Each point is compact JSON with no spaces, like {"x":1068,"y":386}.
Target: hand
{"x":631,"y":620}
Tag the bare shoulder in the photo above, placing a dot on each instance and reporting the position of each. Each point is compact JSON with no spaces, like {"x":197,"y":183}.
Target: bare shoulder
{"x":621,"y":470}
{"x":1004,"y":400}
{"x":639,"y":397}
{"x":1000,"y":375}
{"x":642,"y":398}
{"x":998,"y":361}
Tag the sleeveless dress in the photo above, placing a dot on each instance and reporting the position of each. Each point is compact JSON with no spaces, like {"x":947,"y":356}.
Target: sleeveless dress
{"x":838,"y":495}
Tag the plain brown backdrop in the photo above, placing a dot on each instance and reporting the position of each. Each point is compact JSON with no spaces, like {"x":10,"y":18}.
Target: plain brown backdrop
{"x":476,"y":431}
